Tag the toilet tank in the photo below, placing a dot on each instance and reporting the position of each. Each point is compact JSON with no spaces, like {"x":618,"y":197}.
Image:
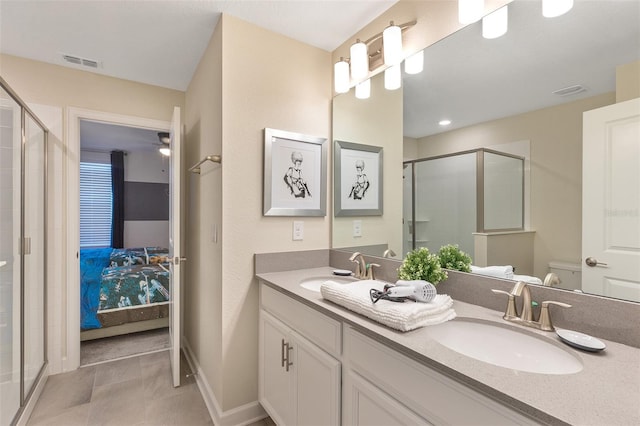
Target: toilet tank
{"x":570,"y":274}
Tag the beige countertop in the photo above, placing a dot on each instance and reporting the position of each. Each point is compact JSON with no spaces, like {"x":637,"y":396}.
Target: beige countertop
{"x":605,"y":392}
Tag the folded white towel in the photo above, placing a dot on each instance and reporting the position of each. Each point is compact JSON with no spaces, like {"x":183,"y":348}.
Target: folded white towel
{"x":527,"y":279}
{"x":494,"y":271}
{"x":400,"y":316}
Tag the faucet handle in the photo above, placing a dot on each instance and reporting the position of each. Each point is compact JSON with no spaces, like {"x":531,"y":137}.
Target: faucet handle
{"x":545,"y":316}
{"x":370,"y":273}
{"x":511,"y":311}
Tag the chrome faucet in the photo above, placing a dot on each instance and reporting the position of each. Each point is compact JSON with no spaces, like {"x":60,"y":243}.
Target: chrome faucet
{"x":526,"y":317}
{"x":361,"y":265}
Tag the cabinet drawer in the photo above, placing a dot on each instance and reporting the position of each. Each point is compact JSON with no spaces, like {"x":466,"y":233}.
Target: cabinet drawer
{"x":319,"y":328}
{"x":433,"y":396}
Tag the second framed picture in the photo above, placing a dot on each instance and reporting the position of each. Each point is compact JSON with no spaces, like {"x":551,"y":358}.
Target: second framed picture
{"x":357,"y":179}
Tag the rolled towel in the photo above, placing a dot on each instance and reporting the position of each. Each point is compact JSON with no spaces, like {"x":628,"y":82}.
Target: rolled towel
{"x":527,"y":279}
{"x":400,"y":316}
{"x":494,"y":271}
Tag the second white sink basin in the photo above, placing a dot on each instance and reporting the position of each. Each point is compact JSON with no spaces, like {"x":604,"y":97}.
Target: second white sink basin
{"x":505,"y":347}
{"x":314,"y":283}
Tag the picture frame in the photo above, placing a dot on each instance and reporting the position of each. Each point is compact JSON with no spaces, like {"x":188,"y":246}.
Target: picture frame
{"x":295,"y":174}
{"x":357,"y":192}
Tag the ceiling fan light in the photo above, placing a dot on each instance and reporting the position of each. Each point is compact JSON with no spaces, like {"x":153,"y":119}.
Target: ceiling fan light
{"x":359,"y":60}
{"x":341,"y":76}
{"x":414,"y":64}
{"x":393,"y":77}
{"x":496,"y":23}
{"x":470,"y":11}
{"x":363,"y":90}
{"x":392,"y":44}
{"x":165,"y":151}
{"x":553,"y":8}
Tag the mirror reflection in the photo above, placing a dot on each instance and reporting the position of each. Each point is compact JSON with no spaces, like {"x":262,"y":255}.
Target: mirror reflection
{"x":523,"y":94}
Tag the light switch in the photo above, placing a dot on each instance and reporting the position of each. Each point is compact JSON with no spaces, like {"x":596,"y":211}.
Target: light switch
{"x":298,"y":231}
{"x":357,"y":228}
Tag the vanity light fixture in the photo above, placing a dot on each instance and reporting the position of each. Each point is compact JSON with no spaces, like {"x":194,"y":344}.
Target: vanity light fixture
{"x":341,"y":76}
{"x":348,"y":72}
{"x":165,"y":141}
{"x":363,"y":90}
{"x":444,"y":122}
{"x":553,"y":8}
{"x":393,"y":77}
{"x":359,"y":60}
{"x":495,"y":24}
{"x":165,"y":151}
{"x":392,"y":44}
{"x":414,"y":64}
{"x":470,"y":11}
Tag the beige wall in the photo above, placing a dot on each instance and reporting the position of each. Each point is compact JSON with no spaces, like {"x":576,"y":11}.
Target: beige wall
{"x":555,"y":135}
{"x":203,"y":193}
{"x":248,"y":79}
{"x":376,"y":121}
{"x":628,"y":81}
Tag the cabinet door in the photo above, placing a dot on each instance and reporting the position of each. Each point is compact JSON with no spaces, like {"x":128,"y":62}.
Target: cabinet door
{"x":365,"y":404}
{"x":317,"y":384}
{"x":275,"y":383}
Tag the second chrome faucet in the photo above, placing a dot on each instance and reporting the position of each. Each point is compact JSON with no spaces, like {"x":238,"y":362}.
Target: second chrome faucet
{"x":521,"y":289}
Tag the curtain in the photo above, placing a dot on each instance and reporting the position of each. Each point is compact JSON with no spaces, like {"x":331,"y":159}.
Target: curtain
{"x":117,"y":188}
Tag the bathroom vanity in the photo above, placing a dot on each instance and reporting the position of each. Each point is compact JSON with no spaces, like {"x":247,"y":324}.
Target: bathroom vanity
{"x":322,"y":364}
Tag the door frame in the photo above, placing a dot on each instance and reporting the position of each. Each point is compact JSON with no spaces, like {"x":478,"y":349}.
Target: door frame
{"x":72,"y":173}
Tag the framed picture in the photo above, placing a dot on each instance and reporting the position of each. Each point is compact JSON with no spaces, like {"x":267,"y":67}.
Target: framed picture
{"x":295,"y":174}
{"x":357,"y":179}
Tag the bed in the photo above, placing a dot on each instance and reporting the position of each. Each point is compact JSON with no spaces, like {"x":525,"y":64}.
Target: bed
{"x":123,"y":290}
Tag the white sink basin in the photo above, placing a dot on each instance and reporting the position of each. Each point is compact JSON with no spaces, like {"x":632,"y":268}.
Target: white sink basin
{"x":505,"y":347}
{"x":313,"y":283}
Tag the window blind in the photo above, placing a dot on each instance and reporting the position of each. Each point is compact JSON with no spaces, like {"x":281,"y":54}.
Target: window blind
{"x":95,"y":205}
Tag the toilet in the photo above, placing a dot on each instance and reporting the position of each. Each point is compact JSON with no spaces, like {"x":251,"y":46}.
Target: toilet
{"x":570,"y":274}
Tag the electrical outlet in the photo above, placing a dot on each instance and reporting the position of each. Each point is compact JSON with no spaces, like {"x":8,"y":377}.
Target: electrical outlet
{"x":357,"y":228}
{"x":298,"y":231}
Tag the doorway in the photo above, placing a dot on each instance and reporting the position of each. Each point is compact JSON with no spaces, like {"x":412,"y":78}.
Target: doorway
{"x":85,"y":128}
{"x":124,"y":240}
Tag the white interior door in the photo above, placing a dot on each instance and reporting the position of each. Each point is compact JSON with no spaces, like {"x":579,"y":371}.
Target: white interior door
{"x":611,"y":201}
{"x":175,"y":247}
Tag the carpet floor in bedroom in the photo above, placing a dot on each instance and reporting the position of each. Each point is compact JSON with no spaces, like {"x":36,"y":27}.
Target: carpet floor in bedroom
{"x":110,"y":348}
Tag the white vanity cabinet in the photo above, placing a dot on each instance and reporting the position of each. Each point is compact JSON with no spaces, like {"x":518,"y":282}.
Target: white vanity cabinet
{"x":316,"y":370}
{"x":421,"y":394}
{"x":299,"y":383}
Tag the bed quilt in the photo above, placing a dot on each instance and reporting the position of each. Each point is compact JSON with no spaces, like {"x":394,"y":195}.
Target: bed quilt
{"x":134,"y":285}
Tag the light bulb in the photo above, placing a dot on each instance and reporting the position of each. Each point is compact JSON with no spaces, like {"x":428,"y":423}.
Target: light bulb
{"x":165,"y":151}
{"x":553,"y":8}
{"x":392,"y":44}
{"x":359,"y":60}
{"x":495,"y":24}
{"x":470,"y":11}
{"x":393,"y":77}
{"x":341,"y":76}
{"x":363,"y":90}
{"x":414,"y":64}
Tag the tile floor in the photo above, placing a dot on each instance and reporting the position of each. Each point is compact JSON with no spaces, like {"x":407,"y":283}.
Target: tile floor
{"x":131,"y":391}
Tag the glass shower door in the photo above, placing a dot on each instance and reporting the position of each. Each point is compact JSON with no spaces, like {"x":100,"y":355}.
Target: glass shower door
{"x":34,"y":252}
{"x":10,"y":149}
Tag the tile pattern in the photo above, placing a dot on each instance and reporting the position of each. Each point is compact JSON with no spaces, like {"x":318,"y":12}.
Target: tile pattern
{"x":132,"y":391}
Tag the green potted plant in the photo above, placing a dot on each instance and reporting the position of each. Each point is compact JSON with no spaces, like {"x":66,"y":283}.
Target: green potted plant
{"x":419,"y":264}
{"x":451,"y":257}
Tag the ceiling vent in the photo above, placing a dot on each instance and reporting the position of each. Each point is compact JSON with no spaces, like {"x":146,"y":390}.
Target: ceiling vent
{"x":571,"y":90}
{"x":76,"y":60}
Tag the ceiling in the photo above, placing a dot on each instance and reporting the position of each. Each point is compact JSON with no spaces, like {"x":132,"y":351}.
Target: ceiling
{"x":161,"y":42}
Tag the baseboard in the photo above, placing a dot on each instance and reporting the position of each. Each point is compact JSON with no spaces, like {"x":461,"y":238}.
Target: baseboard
{"x":239,"y":416}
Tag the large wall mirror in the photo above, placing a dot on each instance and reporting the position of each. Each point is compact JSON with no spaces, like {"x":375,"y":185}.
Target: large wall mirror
{"x":523,"y":94}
